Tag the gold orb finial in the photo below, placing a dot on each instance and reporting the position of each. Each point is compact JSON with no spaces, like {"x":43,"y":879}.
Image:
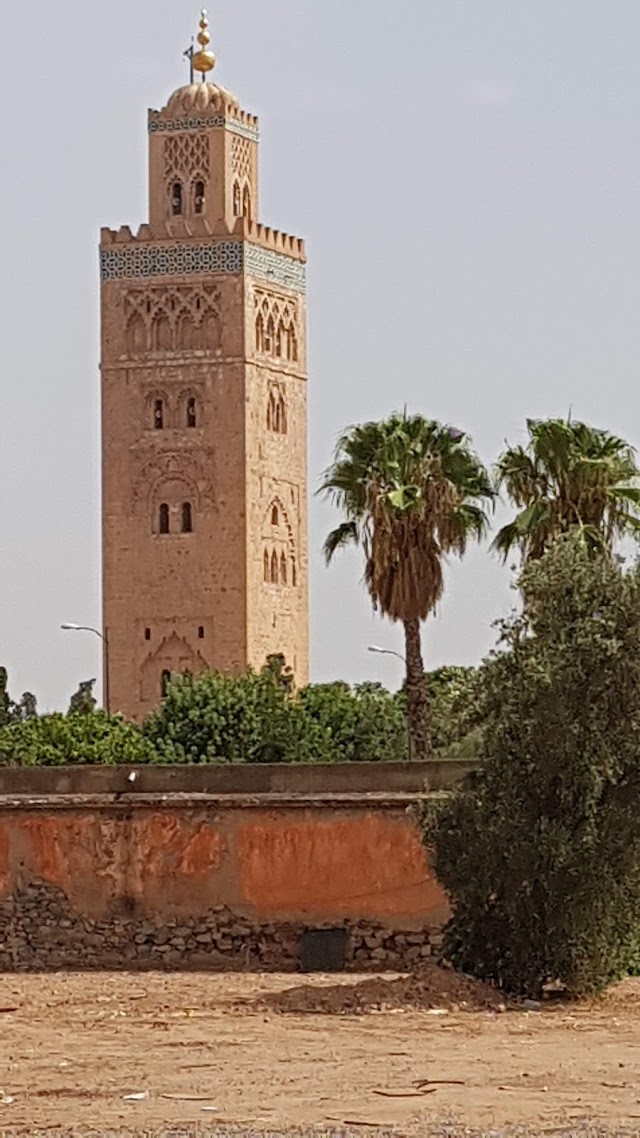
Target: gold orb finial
{"x":204,"y":60}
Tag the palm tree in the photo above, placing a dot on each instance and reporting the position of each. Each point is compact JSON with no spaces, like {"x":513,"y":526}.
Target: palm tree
{"x":569,"y":476}
{"x":412,"y":491}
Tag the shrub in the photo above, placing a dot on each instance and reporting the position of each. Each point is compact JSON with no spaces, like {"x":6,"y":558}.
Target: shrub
{"x":251,"y":718}
{"x":541,"y":856}
{"x":55,"y":740}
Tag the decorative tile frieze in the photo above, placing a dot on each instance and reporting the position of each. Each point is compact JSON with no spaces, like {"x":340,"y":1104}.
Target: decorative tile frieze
{"x":134,"y":261}
{"x":245,"y":130}
{"x":139,"y":260}
{"x":277,"y":268}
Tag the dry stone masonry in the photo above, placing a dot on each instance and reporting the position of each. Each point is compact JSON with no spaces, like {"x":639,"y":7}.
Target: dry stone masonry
{"x":40,"y":932}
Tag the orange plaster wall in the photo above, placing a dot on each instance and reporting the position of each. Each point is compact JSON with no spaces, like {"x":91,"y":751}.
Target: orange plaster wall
{"x":276,"y":864}
{"x":318,"y":865}
{"x":161,"y":860}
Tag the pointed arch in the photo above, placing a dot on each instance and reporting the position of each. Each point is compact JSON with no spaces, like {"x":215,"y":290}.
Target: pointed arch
{"x":280,"y":340}
{"x":163,"y":518}
{"x":162,"y":334}
{"x":237,"y":200}
{"x":283,"y":568}
{"x":274,"y":568}
{"x":270,"y":335}
{"x":292,"y":345}
{"x":246,"y":203}
{"x":259,"y":333}
{"x":136,"y":336}
{"x":266,"y":567}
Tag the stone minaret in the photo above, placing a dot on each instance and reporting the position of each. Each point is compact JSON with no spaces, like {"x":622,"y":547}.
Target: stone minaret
{"x":204,"y":412}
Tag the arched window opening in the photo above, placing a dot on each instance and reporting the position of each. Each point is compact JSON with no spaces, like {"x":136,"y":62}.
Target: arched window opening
{"x":201,"y":632}
{"x":147,"y":634}
{"x":164,"y":682}
{"x":198,"y":197}
{"x":283,"y":415}
{"x":187,"y":518}
{"x":266,"y":567}
{"x":274,"y":568}
{"x":292,"y":346}
{"x":246,"y":203}
{"x":192,"y":413}
{"x":294,"y":575}
{"x":176,"y":199}
{"x":280,"y":340}
{"x":283,"y":570}
{"x":237,"y":200}
{"x":158,"y":414}
{"x":271,"y":408}
{"x":275,"y":516}
{"x":163,"y":518}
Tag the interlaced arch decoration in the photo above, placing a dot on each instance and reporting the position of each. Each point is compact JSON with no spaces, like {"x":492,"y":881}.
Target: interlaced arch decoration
{"x":173,"y":319}
{"x":186,"y":155}
{"x":241,"y":157}
{"x":279,"y":551}
{"x":276,"y":331}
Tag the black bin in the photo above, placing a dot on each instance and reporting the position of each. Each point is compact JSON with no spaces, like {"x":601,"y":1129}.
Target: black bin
{"x":324,"y":950}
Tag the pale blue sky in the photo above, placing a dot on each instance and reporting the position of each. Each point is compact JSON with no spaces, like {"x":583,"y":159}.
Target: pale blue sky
{"x":467,"y":176}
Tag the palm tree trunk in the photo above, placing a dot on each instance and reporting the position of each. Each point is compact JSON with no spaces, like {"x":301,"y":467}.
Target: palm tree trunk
{"x":418,"y":716}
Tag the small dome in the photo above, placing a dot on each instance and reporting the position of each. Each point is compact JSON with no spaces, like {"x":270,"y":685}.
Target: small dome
{"x":201,"y":97}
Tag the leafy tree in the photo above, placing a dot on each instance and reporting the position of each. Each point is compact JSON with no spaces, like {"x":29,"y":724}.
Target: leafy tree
{"x":6,"y":704}
{"x":251,"y":718}
{"x":456,"y":711}
{"x":412,"y":491}
{"x":83,"y":701}
{"x":366,"y":724}
{"x":91,"y":738}
{"x":568,"y":476}
{"x":541,"y":856}
{"x":28,"y":706}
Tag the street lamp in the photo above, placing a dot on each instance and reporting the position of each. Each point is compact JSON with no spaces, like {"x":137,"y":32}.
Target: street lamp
{"x":386,"y":652}
{"x":103,"y":637}
{"x":398,"y":655}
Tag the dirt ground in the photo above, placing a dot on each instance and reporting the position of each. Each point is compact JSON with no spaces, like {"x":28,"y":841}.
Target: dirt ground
{"x":277,"y":1052}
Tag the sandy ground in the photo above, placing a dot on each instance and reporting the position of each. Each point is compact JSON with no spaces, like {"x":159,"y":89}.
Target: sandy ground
{"x":271,"y":1053}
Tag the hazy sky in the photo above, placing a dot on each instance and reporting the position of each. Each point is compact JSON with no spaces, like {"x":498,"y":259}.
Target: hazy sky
{"x":467,"y":176}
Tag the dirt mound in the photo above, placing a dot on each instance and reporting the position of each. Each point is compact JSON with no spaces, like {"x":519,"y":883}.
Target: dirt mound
{"x":429,"y":989}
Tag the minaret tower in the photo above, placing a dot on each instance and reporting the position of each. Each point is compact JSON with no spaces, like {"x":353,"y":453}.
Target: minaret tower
{"x":204,"y":412}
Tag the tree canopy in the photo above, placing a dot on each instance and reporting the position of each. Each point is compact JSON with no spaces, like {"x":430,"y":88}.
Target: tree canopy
{"x":568,"y":476}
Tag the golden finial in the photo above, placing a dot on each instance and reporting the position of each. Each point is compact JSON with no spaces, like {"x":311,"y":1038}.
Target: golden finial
{"x":204,"y":60}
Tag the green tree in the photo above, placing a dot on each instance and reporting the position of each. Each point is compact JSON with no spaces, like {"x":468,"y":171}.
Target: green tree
{"x":541,"y":855}
{"x":253,"y":718}
{"x":6,"y":704}
{"x":411,"y":491}
{"x":83,"y":701}
{"x":57,"y":740}
{"x":569,"y":476}
{"x":366,"y":724}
